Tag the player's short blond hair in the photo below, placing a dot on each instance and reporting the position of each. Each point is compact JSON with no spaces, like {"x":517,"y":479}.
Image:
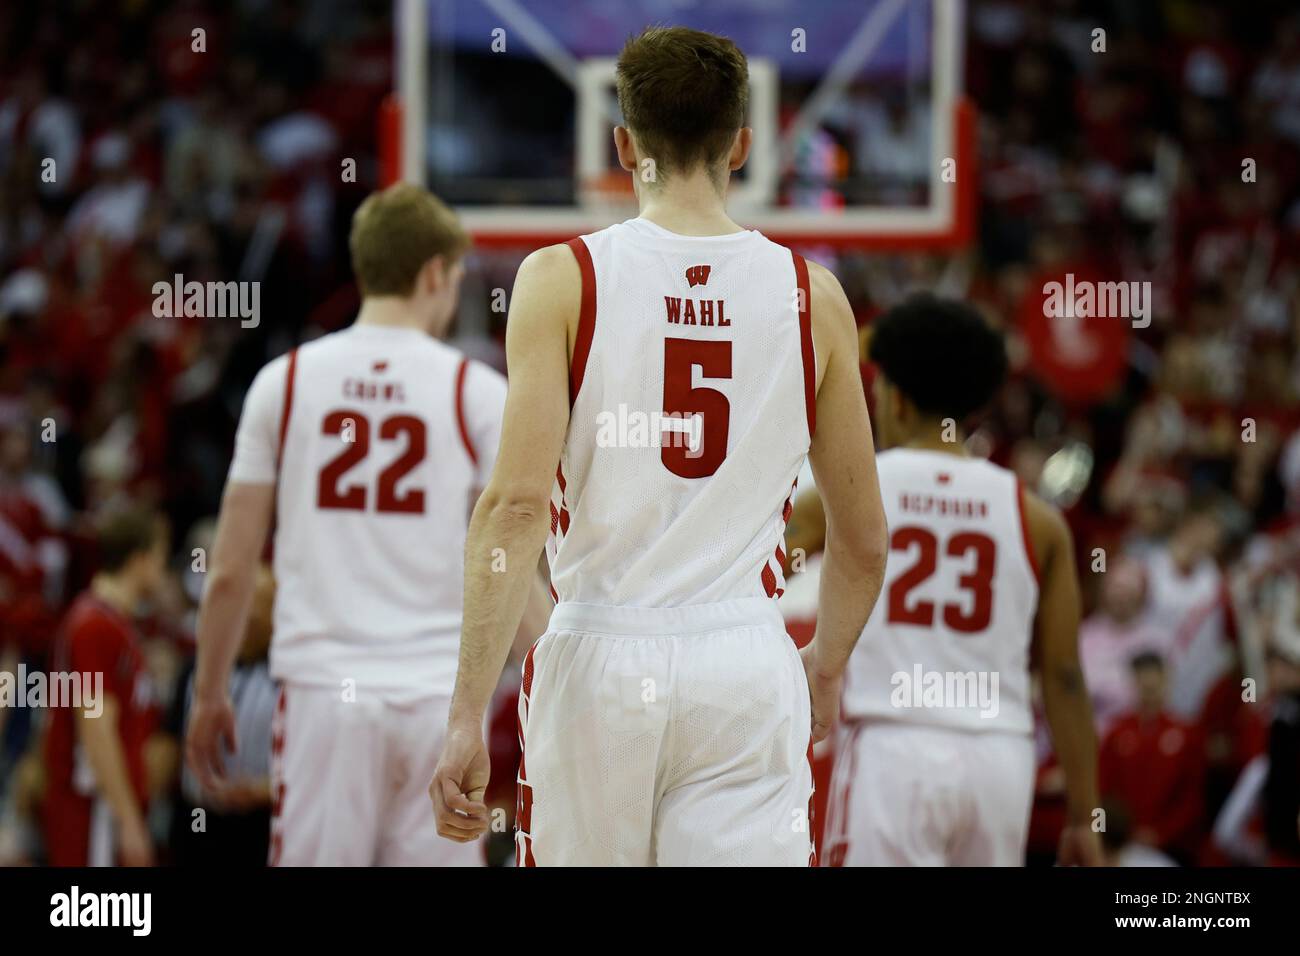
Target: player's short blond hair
{"x":395,"y":232}
{"x":683,"y":94}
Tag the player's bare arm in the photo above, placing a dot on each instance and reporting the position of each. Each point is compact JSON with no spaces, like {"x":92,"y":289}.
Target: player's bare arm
{"x":844,"y":463}
{"x":1065,"y":695}
{"x":242,"y":527}
{"x":511,"y":517}
{"x":103,"y":747}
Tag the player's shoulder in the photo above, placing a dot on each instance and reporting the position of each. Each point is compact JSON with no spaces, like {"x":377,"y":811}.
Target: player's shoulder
{"x":823,"y":287}
{"x":277,"y":365}
{"x":555,"y":264}
{"x":828,"y":305}
{"x":551,"y":274}
{"x":1004,"y":478}
{"x":321,"y":343}
{"x":548,"y":290}
{"x":270,"y":379}
{"x":821,"y":279}
{"x":1046,"y":524}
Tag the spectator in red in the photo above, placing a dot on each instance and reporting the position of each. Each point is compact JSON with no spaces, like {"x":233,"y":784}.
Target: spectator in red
{"x":1153,"y":764}
{"x":23,"y":526}
{"x":32,"y":556}
{"x":97,"y":787}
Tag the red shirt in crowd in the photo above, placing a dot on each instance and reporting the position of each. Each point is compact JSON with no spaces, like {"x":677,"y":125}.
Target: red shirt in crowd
{"x":25,"y":619}
{"x":95,"y":639}
{"x":22,"y":527}
{"x":1155,"y":767}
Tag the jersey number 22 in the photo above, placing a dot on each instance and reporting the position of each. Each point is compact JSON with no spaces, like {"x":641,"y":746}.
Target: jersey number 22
{"x":355,"y":429}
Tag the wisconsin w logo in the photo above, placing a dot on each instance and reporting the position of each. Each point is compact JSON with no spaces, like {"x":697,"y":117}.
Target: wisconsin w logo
{"x":698,"y":275}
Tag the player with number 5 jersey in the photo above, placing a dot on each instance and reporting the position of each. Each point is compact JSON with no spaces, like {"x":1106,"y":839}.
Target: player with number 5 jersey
{"x":669,"y":376}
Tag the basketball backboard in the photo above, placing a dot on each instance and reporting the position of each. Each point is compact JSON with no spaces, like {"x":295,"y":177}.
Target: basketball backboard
{"x":861,"y":136}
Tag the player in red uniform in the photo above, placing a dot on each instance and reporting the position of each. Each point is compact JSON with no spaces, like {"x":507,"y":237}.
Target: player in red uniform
{"x":94,"y":812}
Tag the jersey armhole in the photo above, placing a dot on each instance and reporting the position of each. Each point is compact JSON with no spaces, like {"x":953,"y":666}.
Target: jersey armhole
{"x":806,"y":342}
{"x":586,"y":317}
{"x":1030,"y":556}
{"x":465,"y":438}
{"x":290,"y":373}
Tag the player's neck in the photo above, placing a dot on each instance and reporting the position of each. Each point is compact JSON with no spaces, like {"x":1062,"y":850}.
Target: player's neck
{"x":689,"y":206}
{"x":115,"y":592}
{"x":391,"y":312}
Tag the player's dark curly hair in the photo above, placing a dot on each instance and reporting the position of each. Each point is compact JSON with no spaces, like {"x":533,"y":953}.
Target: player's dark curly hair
{"x":940,"y":353}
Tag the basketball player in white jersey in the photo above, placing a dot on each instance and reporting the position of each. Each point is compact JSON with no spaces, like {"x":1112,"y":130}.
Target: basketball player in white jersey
{"x":935,"y":761}
{"x":367,"y":447}
{"x":668,"y":378}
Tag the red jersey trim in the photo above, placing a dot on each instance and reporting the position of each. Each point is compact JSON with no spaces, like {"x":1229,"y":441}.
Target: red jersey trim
{"x":1024,"y":531}
{"x":460,"y":411}
{"x":806,"y":342}
{"x":524,"y":790}
{"x":289,"y":377}
{"x":279,"y":720}
{"x":812,"y":807}
{"x":586,"y":317}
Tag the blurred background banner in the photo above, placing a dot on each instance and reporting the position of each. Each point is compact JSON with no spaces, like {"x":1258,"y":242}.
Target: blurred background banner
{"x":1151,"y":144}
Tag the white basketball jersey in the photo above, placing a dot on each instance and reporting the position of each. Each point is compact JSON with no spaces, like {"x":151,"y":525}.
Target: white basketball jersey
{"x":379,"y":439}
{"x":948,"y":641}
{"x":692,"y":390}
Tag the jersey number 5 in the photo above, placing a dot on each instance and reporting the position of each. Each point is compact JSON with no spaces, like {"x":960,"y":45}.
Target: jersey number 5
{"x":354,"y":428}
{"x":978,"y":581}
{"x":707,"y":406}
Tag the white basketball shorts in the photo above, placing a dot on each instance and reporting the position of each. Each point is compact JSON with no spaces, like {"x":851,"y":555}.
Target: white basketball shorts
{"x":351,"y":778}
{"x":915,"y":795}
{"x":665,"y":736}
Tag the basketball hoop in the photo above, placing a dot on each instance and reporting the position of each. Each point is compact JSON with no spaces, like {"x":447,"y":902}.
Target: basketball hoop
{"x":916,"y":45}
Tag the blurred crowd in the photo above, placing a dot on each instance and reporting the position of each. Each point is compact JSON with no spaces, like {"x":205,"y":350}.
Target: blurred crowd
{"x":1167,"y":156}
{"x":138,"y":141}
{"x":1162,"y":150}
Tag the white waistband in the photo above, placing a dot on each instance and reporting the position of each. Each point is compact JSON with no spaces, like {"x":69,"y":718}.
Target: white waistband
{"x":666,"y":621}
